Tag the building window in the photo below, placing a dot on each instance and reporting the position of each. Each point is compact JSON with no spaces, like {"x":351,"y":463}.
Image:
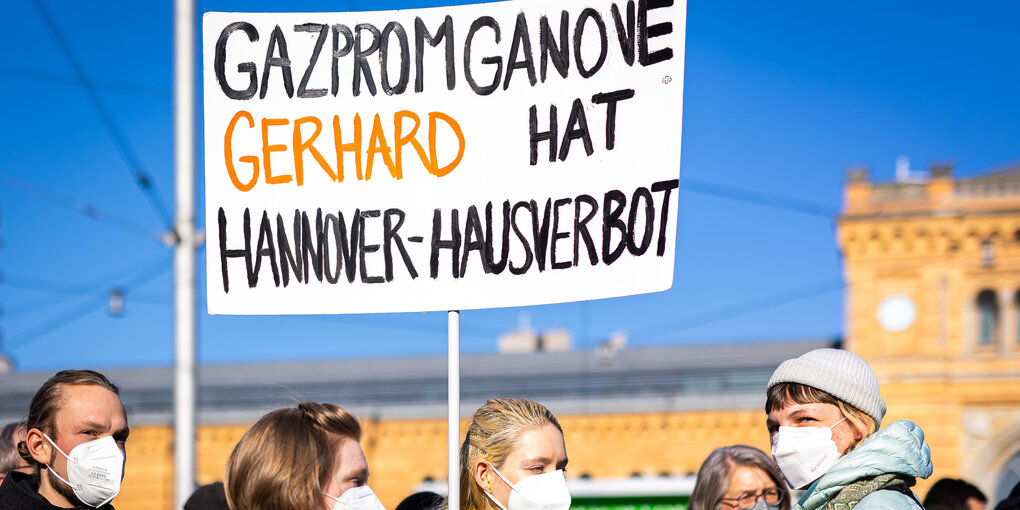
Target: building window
{"x":988,"y":317}
{"x":1016,"y":313}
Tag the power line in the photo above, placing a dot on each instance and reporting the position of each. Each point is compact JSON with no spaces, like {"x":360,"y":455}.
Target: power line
{"x":390,"y":324}
{"x":77,"y":206}
{"x":127,"y":154}
{"x":70,"y":291}
{"x":53,"y":324}
{"x":759,"y":198}
{"x":56,"y":288}
{"x":50,"y":77}
{"x":746,"y":307}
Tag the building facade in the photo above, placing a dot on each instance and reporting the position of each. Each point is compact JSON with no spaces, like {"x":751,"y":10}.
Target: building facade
{"x":932,"y":271}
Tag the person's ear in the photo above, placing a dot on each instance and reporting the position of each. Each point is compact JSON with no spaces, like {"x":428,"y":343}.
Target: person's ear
{"x":483,"y":474}
{"x":860,"y":431}
{"x":40,"y":449}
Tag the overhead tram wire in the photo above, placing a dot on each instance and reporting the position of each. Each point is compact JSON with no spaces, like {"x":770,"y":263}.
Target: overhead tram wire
{"x":78,"y":289}
{"x":756,"y":197}
{"x":50,"y":77}
{"x":83,"y":208}
{"x":63,"y":319}
{"x":69,"y":292}
{"x":744,"y":308}
{"x":127,"y":153}
{"x":805,"y":207}
{"x":390,"y":324}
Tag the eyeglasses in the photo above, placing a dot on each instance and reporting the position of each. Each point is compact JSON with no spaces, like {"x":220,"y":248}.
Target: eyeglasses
{"x":771,"y":497}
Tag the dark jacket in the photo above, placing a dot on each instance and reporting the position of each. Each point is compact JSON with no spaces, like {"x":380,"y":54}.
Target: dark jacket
{"x":19,"y":493}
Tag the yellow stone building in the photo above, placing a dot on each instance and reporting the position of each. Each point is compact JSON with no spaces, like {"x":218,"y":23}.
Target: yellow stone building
{"x":932,"y":269}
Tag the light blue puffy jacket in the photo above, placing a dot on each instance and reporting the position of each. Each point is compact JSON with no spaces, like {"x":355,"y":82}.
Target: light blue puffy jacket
{"x":898,"y":448}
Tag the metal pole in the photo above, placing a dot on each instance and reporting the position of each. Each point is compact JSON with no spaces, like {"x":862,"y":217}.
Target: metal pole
{"x":453,"y":419}
{"x":184,"y":254}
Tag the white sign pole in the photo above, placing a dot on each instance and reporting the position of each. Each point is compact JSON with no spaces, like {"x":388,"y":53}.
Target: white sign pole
{"x":453,"y":423}
{"x":184,"y":252}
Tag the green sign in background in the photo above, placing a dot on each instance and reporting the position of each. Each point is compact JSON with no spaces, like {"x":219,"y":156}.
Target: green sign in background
{"x":631,"y":503}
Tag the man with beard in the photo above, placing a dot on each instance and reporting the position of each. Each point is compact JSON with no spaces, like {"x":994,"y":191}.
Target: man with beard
{"x":76,"y":434}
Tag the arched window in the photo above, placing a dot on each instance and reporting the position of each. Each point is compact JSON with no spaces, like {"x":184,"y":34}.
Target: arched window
{"x":1016,"y":311}
{"x":988,"y":318}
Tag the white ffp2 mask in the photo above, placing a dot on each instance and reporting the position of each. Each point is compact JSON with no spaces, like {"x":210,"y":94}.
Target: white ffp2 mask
{"x":94,"y":470}
{"x":357,"y":498}
{"x":804,"y":454}
{"x":546,"y":491}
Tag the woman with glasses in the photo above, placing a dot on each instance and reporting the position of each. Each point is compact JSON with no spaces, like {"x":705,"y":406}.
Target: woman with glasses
{"x":739,"y":477}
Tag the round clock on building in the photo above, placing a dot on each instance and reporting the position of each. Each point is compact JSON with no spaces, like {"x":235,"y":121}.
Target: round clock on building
{"x":896,"y":313}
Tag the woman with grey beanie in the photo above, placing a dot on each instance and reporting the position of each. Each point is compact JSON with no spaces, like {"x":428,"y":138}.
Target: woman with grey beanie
{"x":824,"y":413}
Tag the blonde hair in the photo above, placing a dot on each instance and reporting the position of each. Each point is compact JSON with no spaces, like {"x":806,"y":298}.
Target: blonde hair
{"x":286,"y":459}
{"x":785,"y":394}
{"x":492,"y":436}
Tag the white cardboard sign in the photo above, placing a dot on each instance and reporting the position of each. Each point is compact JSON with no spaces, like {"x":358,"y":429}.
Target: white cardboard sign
{"x":487,"y":155}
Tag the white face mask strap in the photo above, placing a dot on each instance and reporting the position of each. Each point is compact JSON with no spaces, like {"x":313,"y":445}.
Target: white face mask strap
{"x":837,"y":423}
{"x":57,"y":447}
{"x":501,"y":477}
{"x":51,"y":468}
{"x":494,"y":500}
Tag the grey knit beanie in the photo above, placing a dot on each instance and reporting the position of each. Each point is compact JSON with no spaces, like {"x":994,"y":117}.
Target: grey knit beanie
{"x":840,"y":373}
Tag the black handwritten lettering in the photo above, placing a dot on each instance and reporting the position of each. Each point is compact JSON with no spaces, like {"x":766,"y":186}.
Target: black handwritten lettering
{"x":384,"y":59}
{"x":646,"y":32}
{"x":276,"y":40}
{"x":421,"y":36}
{"x":323,"y":31}
{"x":603,"y":41}
{"x":559,"y":52}
{"x":520,"y":38}
{"x":488,"y":22}
{"x":338,"y":53}
{"x":360,"y":60}
{"x":220,"y":63}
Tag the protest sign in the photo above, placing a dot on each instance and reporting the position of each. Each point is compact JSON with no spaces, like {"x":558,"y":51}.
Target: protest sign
{"x":486,"y":155}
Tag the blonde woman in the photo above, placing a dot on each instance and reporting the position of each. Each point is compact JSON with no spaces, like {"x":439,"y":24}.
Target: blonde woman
{"x":824,"y":413}
{"x":513,"y":458}
{"x":303,"y":458}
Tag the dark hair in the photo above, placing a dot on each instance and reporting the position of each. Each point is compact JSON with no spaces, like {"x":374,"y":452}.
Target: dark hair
{"x":952,"y":494}
{"x":425,"y":500}
{"x":48,"y":400}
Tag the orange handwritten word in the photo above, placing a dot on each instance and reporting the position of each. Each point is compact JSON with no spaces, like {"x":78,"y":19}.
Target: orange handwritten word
{"x":385,"y":142}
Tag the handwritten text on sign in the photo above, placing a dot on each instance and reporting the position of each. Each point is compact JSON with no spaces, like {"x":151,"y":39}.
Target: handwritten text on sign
{"x":477,"y":156}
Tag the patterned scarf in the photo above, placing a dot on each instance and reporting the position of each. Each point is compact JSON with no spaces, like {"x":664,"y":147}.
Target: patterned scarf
{"x":853,"y":493}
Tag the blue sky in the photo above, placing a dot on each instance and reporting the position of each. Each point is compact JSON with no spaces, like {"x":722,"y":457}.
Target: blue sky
{"x":780,"y":98}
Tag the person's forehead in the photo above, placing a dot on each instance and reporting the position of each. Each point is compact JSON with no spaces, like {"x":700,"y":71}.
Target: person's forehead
{"x":749,"y":478}
{"x":545,"y":441}
{"x":90,"y":404}
{"x":352,"y":457}
{"x":805,"y":408}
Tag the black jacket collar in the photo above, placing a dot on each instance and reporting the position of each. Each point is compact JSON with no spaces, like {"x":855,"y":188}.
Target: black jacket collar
{"x":19,"y":493}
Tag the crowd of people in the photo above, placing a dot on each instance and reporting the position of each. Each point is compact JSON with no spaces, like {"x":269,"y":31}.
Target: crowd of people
{"x":824,"y":415}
